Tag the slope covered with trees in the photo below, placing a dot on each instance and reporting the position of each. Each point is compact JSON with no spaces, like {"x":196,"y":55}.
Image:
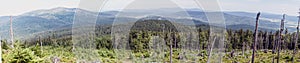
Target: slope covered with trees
{"x":57,"y":45}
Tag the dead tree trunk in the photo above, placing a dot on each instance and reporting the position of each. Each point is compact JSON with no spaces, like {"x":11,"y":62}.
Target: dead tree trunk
{"x":1,"y":49}
{"x":41,"y":43}
{"x":296,"y":40}
{"x":273,"y":47}
{"x":11,"y":33}
{"x":255,"y":39}
{"x":284,"y":40}
{"x":280,"y":38}
{"x":267,"y":41}
{"x":243,"y":51}
{"x":261,"y":41}
{"x":171,"y":46}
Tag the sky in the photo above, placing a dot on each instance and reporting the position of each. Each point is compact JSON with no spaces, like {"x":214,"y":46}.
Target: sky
{"x":290,"y":7}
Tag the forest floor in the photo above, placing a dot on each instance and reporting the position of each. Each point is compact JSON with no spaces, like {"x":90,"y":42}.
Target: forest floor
{"x":47,"y":54}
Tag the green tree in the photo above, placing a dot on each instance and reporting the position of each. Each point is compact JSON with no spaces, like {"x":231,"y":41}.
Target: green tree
{"x":4,"y":44}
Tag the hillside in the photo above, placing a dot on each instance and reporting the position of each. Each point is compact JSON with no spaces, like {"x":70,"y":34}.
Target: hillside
{"x":40,"y":21}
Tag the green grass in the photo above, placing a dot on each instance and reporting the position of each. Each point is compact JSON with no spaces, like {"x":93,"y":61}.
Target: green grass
{"x":34,"y":54}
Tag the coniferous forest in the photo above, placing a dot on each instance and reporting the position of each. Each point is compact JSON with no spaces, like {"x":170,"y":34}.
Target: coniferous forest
{"x":149,"y":31}
{"x":278,"y":46}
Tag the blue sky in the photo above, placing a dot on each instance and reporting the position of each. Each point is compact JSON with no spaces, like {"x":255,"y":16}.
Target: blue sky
{"x":290,"y":7}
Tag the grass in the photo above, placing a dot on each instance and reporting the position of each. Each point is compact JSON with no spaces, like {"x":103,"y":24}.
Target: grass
{"x":34,"y":54}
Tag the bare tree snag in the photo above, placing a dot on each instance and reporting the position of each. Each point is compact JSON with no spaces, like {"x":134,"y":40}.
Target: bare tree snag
{"x":296,"y":40}
{"x":255,"y":39}
{"x":280,"y":38}
{"x":11,"y":33}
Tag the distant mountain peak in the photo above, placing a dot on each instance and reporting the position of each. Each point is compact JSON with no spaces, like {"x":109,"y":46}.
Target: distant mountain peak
{"x":194,"y":9}
{"x":61,"y":17}
{"x":60,"y":9}
{"x":49,"y":11}
{"x":154,"y":17}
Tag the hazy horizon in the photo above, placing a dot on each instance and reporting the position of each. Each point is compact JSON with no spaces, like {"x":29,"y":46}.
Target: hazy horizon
{"x":289,"y":7}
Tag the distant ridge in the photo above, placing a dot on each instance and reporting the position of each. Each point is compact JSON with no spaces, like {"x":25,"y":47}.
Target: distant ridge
{"x":53,"y":19}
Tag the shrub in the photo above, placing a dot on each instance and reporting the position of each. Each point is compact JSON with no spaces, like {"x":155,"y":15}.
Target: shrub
{"x":20,"y":55}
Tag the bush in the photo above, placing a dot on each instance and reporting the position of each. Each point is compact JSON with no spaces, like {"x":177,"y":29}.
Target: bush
{"x":107,"y":53}
{"x":20,"y":55}
{"x":4,"y":44}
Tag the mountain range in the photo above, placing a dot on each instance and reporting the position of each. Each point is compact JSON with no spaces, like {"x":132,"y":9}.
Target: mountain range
{"x":39,"y":21}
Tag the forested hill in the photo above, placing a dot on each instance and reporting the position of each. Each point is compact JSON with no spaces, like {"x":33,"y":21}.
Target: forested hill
{"x":41,"y":21}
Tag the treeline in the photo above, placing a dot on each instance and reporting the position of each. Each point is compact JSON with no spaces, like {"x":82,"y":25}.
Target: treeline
{"x":141,"y":33}
{"x":141,"y":39}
